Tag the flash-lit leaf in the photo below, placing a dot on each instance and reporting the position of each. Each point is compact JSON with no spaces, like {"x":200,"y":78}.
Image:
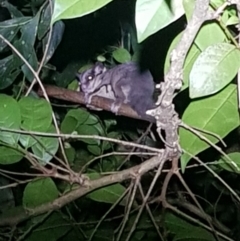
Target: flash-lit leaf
{"x":10,"y":117}
{"x":151,"y":16}
{"x":209,"y":114}
{"x":76,"y":8}
{"x":214,"y":69}
{"x":36,"y":116}
{"x":232,"y":21}
{"x":210,"y":33}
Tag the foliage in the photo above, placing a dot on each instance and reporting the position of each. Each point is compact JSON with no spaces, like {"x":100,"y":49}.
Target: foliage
{"x":37,"y":168}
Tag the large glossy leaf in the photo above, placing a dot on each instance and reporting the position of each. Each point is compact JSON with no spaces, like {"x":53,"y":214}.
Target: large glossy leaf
{"x":46,"y":147}
{"x":151,"y":16}
{"x":10,"y":117}
{"x":39,"y":192}
{"x":210,"y":33}
{"x":65,"y":9}
{"x":36,"y":116}
{"x":209,"y":114}
{"x":214,"y":69}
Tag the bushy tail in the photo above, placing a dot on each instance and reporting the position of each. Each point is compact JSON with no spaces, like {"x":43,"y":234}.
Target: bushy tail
{"x":141,"y":105}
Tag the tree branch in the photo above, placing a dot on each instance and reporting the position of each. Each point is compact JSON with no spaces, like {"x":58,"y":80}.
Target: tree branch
{"x":97,"y":101}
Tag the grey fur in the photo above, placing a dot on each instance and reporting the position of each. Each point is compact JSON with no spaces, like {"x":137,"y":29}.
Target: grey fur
{"x":128,"y":83}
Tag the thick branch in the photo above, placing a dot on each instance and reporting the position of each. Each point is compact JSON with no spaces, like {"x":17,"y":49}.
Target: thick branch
{"x":97,"y":101}
{"x":13,"y":218}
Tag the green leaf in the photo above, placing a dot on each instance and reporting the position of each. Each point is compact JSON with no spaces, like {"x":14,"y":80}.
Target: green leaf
{"x":94,"y":149}
{"x":9,"y":71}
{"x":76,"y":8}
{"x":46,"y":147}
{"x":73,"y":85}
{"x":70,"y":153}
{"x":9,"y":29}
{"x":9,"y":155}
{"x":214,"y":69}
{"x":73,"y":119}
{"x":233,"y":20}
{"x":121,"y":55}
{"x":45,"y":20}
{"x":109,"y":164}
{"x":69,"y":125}
{"x":10,"y":117}
{"x":15,"y":13}
{"x":227,"y":165}
{"x":91,"y":120}
{"x":176,"y":224}
{"x":59,"y":227}
{"x":208,"y":114}
{"x":36,"y":116}
{"x":88,"y":130}
{"x":38,"y":192}
{"x":184,"y":230}
{"x":210,"y":33}
{"x":25,"y":45}
{"x":109,"y":194}
{"x":194,"y":234}
{"x":151,"y":16}
{"x":106,"y":144}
